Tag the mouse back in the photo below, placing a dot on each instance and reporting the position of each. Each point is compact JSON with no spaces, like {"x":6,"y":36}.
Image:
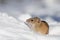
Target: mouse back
{"x":45,"y":23}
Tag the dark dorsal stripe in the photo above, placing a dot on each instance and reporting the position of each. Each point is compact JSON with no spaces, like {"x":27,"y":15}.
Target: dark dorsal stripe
{"x":45,"y":23}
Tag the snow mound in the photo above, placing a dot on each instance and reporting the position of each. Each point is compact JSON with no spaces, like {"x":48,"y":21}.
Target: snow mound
{"x":12,"y":29}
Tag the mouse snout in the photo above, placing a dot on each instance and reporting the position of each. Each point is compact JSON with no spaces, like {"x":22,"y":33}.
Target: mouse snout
{"x":28,"y":20}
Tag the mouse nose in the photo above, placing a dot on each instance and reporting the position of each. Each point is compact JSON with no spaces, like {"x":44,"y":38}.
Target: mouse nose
{"x":27,"y":20}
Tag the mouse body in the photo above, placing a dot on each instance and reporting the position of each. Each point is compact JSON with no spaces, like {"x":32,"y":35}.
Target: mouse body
{"x":38,"y":25}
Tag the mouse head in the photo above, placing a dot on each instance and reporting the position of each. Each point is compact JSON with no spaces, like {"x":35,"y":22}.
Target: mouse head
{"x":33,"y":20}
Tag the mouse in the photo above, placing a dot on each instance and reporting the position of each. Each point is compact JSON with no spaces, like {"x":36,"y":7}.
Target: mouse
{"x":38,"y":25}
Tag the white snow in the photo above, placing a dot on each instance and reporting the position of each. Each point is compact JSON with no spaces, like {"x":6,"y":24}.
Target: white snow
{"x":12,"y":29}
{"x":23,"y":17}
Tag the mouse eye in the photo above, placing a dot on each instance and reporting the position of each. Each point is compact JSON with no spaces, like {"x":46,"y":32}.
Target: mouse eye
{"x":31,"y":20}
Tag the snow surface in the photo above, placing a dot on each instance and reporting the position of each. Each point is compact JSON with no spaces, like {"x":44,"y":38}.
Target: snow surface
{"x":13,"y":29}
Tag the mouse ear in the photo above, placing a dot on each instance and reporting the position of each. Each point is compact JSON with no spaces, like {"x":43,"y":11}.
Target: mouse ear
{"x":38,"y":20}
{"x":35,"y":17}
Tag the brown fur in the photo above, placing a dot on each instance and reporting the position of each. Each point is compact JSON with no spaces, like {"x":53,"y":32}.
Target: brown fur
{"x":39,"y":26}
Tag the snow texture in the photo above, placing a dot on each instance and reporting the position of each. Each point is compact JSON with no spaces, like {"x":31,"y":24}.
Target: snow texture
{"x":12,"y":29}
